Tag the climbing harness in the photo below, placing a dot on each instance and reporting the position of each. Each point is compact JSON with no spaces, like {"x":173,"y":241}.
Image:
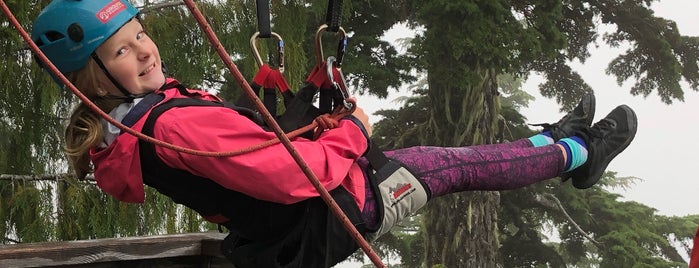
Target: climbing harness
{"x":289,"y":231}
{"x":282,"y":138}
{"x":325,"y":196}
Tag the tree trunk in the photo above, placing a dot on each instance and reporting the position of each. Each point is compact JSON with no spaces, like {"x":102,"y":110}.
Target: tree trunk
{"x":461,"y":229}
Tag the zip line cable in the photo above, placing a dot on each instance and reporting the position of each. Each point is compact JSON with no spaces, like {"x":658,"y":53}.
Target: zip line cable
{"x":281,"y":136}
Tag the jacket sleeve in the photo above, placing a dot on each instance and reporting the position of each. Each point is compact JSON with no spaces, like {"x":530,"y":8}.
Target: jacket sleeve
{"x":270,"y":173}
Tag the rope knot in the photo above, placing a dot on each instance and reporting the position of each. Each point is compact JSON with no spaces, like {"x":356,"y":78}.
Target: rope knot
{"x":330,"y":121}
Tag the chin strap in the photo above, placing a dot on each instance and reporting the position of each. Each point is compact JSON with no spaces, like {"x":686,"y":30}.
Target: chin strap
{"x":128,"y":97}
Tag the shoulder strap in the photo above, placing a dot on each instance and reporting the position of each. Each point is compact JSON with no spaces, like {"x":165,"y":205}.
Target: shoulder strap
{"x":141,"y":108}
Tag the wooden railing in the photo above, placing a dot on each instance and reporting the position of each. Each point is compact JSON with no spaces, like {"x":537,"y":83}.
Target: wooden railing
{"x":179,"y":250}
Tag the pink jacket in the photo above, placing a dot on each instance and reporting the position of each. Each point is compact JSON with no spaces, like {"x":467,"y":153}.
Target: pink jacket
{"x":268,"y":174}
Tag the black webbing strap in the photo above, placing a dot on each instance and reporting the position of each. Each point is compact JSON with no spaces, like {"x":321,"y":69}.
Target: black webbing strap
{"x":141,"y":108}
{"x":270,"y":100}
{"x":299,"y":110}
{"x":149,"y":101}
{"x":263,"y":19}
{"x":332,"y":17}
{"x":377,"y":159}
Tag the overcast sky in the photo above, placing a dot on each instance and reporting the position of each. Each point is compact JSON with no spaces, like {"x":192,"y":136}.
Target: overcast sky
{"x":662,"y":152}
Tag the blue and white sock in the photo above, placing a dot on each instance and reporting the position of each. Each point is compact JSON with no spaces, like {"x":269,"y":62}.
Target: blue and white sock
{"x":576,"y":151}
{"x":541,"y":139}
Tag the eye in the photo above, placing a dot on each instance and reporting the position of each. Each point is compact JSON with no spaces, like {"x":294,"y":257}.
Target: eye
{"x":140,"y":35}
{"x":121,"y":51}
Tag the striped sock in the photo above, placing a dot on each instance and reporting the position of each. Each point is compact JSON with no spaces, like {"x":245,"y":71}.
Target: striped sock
{"x":576,"y":151}
{"x":541,"y":139}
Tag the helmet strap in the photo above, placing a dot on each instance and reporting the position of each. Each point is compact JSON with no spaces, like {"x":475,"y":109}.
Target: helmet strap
{"x":127,"y":94}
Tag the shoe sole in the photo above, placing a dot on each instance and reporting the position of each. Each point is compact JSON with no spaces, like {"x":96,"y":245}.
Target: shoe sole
{"x":593,"y":104}
{"x":631,"y":117}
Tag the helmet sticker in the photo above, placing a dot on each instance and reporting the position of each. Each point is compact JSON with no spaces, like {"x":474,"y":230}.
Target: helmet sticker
{"x":110,"y":10}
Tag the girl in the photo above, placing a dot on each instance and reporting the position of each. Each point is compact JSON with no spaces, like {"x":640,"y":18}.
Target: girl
{"x":274,"y":214}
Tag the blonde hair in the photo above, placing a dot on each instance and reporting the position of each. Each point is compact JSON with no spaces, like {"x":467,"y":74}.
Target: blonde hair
{"x":84,"y":130}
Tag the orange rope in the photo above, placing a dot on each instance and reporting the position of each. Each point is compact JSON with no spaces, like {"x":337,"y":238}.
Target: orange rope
{"x":281,"y":136}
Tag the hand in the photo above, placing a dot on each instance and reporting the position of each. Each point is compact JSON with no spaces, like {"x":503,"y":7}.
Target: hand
{"x":364,"y":118}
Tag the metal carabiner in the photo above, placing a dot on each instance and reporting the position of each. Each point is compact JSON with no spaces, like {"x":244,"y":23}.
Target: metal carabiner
{"x":341,"y":46}
{"x":256,"y":51}
{"x":329,"y":64}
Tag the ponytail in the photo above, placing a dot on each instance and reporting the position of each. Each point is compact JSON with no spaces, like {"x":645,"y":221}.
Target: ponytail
{"x":84,"y":130}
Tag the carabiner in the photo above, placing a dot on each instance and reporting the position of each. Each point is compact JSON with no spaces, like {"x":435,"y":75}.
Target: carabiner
{"x":256,"y":51}
{"x":341,"y":46}
{"x":329,"y":65}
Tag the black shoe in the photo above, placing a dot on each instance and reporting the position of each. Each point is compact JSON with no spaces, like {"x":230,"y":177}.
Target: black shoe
{"x":578,"y":119}
{"x":605,"y":140}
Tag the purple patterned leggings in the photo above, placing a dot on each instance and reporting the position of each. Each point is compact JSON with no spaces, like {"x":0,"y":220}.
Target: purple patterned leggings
{"x":492,"y":167}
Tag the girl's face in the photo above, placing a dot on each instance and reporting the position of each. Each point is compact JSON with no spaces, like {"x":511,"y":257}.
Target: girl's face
{"x":132,"y":59}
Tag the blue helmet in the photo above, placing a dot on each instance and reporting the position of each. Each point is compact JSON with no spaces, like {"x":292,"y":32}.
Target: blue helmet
{"x":69,"y":31}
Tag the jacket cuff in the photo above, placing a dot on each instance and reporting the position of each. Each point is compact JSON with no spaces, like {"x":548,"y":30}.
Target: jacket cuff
{"x":359,"y":124}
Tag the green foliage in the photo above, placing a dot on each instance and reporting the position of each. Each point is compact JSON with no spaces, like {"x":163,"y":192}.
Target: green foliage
{"x":625,"y":233}
{"x":79,"y":210}
{"x":30,"y":219}
{"x":653,"y":58}
{"x":30,"y":104}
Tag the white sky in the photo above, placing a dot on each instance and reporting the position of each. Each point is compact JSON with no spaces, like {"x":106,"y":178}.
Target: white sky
{"x":661,"y":153}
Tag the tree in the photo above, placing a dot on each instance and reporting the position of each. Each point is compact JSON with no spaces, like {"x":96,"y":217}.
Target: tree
{"x":467,"y":44}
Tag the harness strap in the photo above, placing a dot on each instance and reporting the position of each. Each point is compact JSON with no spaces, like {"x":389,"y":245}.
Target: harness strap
{"x":263,"y":82}
{"x":333,"y":15}
{"x":141,"y":108}
{"x":263,"y":18}
{"x":148,"y":102}
{"x":268,"y":81}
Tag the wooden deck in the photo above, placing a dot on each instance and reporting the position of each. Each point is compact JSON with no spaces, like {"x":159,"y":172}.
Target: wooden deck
{"x":180,"y":250}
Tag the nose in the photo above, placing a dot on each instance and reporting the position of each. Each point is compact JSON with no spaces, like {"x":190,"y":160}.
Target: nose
{"x":143,"y":52}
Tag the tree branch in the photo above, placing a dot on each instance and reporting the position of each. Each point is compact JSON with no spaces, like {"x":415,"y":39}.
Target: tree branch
{"x":11,"y":240}
{"x":153,"y":7}
{"x":42,"y":177}
{"x":560,"y":207}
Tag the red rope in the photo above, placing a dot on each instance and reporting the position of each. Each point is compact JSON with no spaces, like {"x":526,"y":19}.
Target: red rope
{"x":281,"y":136}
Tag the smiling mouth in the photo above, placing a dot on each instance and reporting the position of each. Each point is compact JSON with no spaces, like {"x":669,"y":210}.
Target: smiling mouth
{"x":147,"y":70}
